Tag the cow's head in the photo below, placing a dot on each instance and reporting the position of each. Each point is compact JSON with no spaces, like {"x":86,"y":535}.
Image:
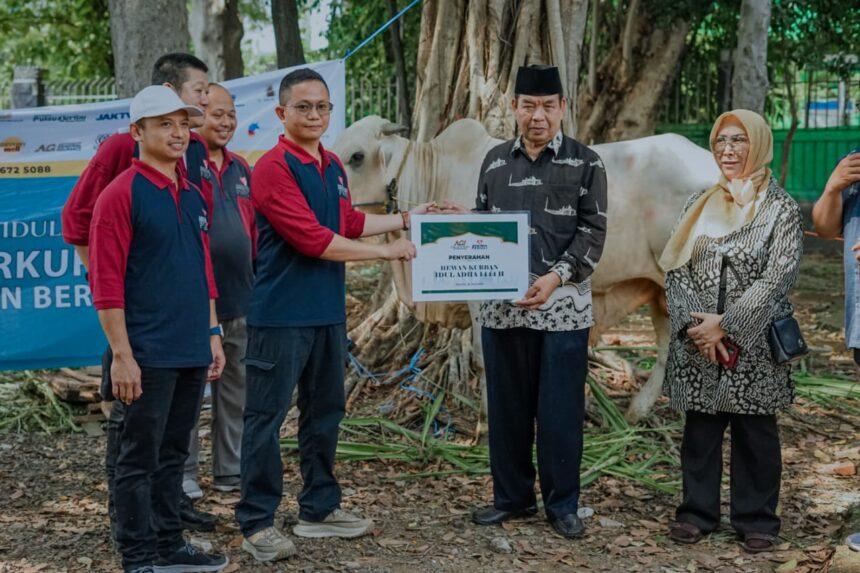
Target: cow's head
{"x":366,"y":149}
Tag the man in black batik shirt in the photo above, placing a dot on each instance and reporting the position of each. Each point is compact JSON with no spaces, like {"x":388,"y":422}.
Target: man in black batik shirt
{"x":536,"y":349}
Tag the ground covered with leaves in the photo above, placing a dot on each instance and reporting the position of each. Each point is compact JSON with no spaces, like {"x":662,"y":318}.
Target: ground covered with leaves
{"x":409,"y":460}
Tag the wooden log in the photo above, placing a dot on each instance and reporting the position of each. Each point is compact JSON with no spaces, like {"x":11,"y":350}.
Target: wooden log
{"x":73,"y":390}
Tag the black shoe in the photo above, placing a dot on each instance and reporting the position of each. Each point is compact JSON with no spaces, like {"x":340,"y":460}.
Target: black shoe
{"x":491,"y":516}
{"x":187,"y":559}
{"x":193,"y":520}
{"x":568,"y":525}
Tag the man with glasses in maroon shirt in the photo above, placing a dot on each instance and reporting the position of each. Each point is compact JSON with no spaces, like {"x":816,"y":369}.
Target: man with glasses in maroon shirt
{"x":297,"y":320}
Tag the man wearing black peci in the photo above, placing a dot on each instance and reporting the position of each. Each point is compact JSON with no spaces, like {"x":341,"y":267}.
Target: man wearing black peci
{"x":536,"y":349}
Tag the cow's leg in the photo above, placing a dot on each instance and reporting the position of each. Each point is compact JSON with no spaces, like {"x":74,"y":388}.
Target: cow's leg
{"x":644,"y":400}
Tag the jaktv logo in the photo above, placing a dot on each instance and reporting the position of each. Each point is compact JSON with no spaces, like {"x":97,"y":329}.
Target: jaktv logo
{"x":116,"y":116}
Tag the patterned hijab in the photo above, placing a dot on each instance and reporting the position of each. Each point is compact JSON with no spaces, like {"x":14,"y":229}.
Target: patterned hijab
{"x":728,"y":205}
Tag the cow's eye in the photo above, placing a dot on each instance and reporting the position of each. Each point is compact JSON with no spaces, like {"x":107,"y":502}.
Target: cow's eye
{"x":356,"y":159}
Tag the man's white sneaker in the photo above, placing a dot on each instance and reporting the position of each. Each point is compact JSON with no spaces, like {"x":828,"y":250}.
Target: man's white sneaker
{"x":269,"y":545}
{"x":336,"y":524}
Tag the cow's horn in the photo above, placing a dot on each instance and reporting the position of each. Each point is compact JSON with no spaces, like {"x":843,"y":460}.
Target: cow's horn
{"x":391,"y":128}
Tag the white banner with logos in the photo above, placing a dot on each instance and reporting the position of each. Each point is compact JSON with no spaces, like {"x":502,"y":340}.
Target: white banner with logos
{"x":46,"y":314}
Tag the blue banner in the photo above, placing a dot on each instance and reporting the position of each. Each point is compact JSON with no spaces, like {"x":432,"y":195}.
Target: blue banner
{"x":46,"y":315}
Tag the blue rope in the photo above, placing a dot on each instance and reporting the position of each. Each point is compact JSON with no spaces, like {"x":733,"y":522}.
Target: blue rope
{"x":382,"y":28}
{"x":413,"y":372}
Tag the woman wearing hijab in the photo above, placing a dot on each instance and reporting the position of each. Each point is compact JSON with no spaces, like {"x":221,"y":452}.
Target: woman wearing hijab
{"x":730,"y":264}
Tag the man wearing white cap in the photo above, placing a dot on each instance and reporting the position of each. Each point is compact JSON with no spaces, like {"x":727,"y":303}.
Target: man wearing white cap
{"x":153,"y":286}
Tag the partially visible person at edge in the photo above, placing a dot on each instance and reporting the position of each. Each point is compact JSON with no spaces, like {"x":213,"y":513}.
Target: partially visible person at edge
{"x":536,"y":349}
{"x":730,"y":264}
{"x":296,"y":320}
{"x":837,"y":213}
{"x":154,"y":290}
{"x":186,"y":75}
{"x":232,"y":241}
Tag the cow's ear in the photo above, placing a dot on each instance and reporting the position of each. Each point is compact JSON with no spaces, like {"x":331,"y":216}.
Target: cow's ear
{"x":391,"y":128}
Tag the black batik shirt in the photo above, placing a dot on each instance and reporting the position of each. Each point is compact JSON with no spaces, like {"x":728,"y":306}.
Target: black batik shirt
{"x":564,"y":190}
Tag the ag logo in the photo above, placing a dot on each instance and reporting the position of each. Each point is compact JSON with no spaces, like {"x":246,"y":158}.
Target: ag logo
{"x":67,"y":146}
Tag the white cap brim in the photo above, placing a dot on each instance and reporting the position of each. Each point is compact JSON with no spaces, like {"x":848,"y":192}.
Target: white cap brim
{"x":158,"y":101}
{"x":192,"y":111}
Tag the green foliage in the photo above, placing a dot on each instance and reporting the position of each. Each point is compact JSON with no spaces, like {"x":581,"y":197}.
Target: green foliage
{"x":69,"y":38}
{"x":805,"y":32}
{"x":351,"y":22}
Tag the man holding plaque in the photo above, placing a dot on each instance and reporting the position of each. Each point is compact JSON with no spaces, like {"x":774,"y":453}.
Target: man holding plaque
{"x":536,"y":348}
{"x":297,"y":320}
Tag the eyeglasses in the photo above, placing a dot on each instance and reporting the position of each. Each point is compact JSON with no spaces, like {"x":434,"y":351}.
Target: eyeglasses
{"x":735,"y":142}
{"x":323,"y":108}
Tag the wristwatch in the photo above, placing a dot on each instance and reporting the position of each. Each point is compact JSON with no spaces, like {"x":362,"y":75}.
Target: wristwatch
{"x":217,"y":331}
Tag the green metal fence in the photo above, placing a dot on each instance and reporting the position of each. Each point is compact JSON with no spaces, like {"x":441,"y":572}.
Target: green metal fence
{"x":813,"y":154}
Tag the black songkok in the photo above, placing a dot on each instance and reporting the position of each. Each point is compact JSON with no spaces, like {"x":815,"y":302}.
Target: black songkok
{"x":538,"y":80}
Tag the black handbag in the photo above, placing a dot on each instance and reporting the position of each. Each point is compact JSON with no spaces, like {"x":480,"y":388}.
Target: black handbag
{"x":786,"y":341}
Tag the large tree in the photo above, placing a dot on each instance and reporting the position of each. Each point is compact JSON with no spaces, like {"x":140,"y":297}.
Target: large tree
{"x":140,"y":33}
{"x":641,"y":48}
{"x":216,"y":28}
{"x":749,"y":81}
{"x":469,"y":52}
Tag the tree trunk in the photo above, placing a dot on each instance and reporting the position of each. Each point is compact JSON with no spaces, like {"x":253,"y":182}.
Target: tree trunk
{"x":288,"y":37}
{"x":470,"y":50}
{"x":234,"y":31}
{"x":592,"y":47}
{"x":749,"y":83}
{"x":627,"y":104}
{"x":405,"y":114}
{"x":140,"y":33}
{"x":217,"y":31}
{"x":788,"y":75}
{"x":468,"y":55}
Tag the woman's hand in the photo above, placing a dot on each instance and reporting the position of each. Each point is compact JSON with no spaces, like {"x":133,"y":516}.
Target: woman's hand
{"x":708,"y":335}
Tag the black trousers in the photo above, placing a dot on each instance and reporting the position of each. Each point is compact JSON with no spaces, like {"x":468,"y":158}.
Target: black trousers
{"x":151,"y":449}
{"x":114,"y":431}
{"x":535,"y":377}
{"x":277,"y":361}
{"x":756,"y":467}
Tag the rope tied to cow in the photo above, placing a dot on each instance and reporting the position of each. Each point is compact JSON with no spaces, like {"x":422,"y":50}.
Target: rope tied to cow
{"x":391,"y":201}
{"x":412,"y":372}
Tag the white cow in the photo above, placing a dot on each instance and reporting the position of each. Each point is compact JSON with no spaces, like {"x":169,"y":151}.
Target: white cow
{"x":649,"y":180}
